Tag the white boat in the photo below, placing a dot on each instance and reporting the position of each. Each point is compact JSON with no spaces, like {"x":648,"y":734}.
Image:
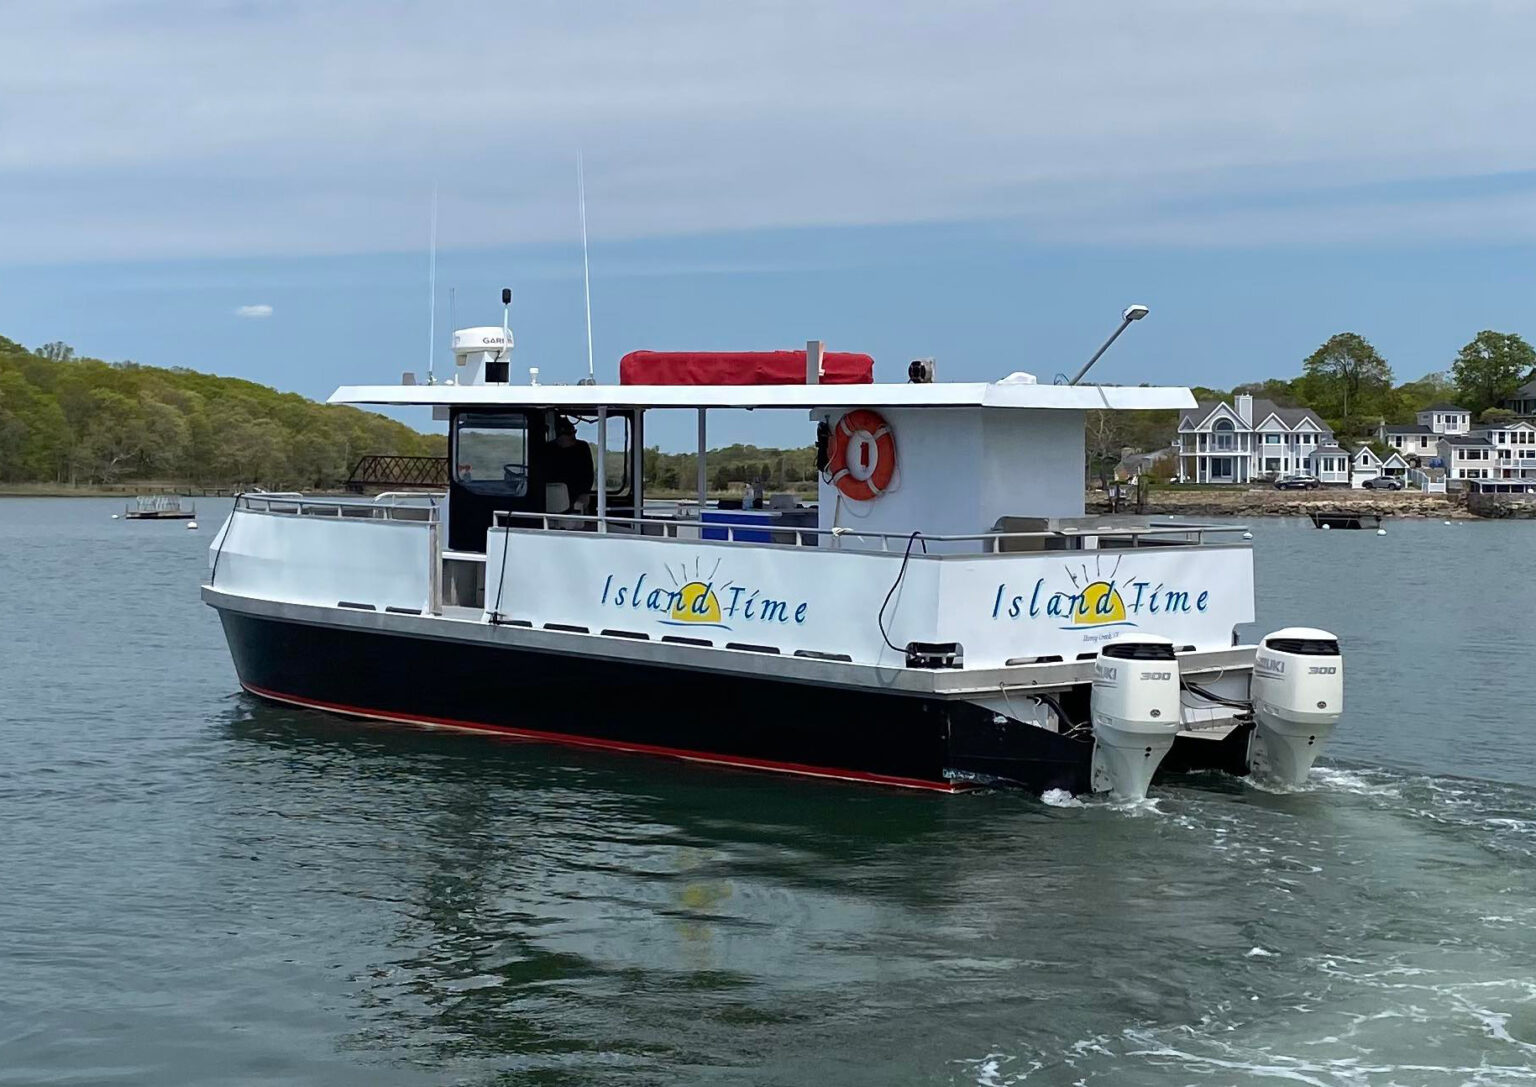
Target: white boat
{"x":947,"y":616}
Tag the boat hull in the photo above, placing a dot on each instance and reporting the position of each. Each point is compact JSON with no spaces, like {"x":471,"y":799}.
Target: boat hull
{"x":753,"y":722}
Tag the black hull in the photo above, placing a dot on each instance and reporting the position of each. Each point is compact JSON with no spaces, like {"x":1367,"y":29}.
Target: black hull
{"x":756,"y":722}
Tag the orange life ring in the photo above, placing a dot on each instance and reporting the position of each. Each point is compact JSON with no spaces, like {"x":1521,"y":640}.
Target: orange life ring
{"x":863,"y":455}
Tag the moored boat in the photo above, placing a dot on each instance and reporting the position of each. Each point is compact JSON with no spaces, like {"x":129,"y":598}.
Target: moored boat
{"x":950,"y":617}
{"x":1344,"y":518}
{"x":159,"y":507}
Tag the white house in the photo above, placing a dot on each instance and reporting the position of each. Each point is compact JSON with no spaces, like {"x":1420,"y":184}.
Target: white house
{"x":1489,"y":451}
{"x":1422,"y":438}
{"x":1395,"y":466}
{"x":1364,"y":465}
{"x":1466,"y":456}
{"x":1446,"y":419}
{"x":1329,"y":463}
{"x":1250,"y":439}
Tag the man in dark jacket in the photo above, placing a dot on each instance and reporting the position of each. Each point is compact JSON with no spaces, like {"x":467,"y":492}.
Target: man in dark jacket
{"x":570,"y":462}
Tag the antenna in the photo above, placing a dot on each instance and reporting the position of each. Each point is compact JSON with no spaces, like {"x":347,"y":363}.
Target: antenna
{"x":586,"y":271}
{"x":432,"y":291}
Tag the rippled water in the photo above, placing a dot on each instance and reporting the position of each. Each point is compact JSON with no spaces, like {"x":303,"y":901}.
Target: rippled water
{"x":202,"y":889}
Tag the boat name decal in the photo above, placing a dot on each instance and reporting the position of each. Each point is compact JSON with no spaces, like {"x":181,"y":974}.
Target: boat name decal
{"x":1096,"y":600}
{"x":696,"y":601}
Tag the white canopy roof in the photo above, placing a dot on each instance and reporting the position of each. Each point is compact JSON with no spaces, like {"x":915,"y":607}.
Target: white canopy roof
{"x":938,"y":394}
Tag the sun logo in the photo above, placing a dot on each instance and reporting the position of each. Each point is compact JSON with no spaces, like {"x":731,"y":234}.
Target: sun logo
{"x":695,"y":602}
{"x":1099,"y":602}
{"x":1096,"y":601}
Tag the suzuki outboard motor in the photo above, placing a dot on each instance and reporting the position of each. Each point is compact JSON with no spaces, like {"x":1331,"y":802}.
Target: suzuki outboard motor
{"x":1298,"y":696}
{"x":1135,"y":705}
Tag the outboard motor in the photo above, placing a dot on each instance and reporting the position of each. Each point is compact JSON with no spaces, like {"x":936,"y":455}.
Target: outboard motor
{"x":1298,"y":696}
{"x":1135,"y":706}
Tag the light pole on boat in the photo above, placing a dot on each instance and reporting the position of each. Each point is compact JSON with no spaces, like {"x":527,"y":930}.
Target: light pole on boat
{"x":1132,"y":313}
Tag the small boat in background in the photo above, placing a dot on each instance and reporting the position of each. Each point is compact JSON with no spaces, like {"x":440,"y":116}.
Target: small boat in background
{"x":159,"y":507}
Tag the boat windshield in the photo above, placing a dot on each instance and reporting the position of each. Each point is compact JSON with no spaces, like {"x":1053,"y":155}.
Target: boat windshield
{"x":491,"y":454}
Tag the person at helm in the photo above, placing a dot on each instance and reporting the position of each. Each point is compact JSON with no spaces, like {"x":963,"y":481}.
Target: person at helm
{"x":570,"y":462}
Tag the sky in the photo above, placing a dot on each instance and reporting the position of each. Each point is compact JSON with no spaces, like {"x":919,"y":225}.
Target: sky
{"x":246,"y":187}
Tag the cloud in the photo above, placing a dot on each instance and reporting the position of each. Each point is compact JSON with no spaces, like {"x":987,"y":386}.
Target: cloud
{"x":260,"y":310}
{"x":242,"y":129}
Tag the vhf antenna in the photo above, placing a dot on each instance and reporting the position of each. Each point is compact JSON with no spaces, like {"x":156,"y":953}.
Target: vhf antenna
{"x":506,"y":317}
{"x":432,"y":291}
{"x":586,"y":272}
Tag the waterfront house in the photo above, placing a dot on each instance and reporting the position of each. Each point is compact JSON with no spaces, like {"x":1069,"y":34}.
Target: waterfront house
{"x":1422,"y":437}
{"x":1330,"y":463}
{"x":1446,"y":419}
{"x":1514,"y":448}
{"x":1364,"y":464}
{"x":1251,"y":439}
{"x":1395,"y":465}
{"x":1489,"y":451}
{"x":1523,"y":400}
{"x":1467,"y":456}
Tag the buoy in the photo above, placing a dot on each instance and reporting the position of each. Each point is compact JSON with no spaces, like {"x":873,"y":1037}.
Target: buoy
{"x":1447,"y":522}
{"x":1247,"y":535}
{"x":1381,"y":532}
{"x":114,"y":517}
{"x":191,"y":524}
{"x":1326,"y":527}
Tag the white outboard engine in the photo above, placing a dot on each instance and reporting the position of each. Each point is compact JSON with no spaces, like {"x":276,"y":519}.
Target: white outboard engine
{"x":1298,"y":696}
{"x":1135,"y":705}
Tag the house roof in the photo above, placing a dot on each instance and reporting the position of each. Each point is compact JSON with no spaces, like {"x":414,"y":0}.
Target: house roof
{"x":1331,"y":449}
{"x":1443,"y":406}
{"x":1394,"y":456}
{"x":1404,"y":428}
{"x":1464,"y":439}
{"x":1525,"y":392}
{"x":1262,"y":409}
{"x":1513,"y":424}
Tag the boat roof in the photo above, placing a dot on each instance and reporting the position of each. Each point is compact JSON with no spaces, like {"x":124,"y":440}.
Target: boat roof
{"x":952,"y":394}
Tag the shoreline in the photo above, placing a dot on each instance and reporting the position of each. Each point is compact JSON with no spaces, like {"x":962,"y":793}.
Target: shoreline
{"x":1162,"y":502}
{"x":1268,"y":502}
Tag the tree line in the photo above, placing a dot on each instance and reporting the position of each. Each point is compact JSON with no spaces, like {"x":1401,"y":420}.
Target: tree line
{"x":776,"y":469}
{"x":76,"y":420}
{"x":68,"y":420}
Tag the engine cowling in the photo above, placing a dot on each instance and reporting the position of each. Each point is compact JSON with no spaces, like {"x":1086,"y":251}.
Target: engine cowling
{"x":1135,"y":707}
{"x":1298,"y":697}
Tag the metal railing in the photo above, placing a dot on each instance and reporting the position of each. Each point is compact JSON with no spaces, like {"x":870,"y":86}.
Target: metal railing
{"x":387,"y":507}
{"x":892,"y":542}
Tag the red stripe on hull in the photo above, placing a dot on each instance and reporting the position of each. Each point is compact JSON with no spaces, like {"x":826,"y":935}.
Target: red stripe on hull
{"x":566,"y":739}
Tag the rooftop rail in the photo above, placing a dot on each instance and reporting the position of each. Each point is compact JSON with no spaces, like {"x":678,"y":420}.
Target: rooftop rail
{"x":391,"y":506}
{"x":899,"y":542}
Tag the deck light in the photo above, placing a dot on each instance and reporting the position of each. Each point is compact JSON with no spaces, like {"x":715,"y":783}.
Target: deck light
{"x":1131,"y":313}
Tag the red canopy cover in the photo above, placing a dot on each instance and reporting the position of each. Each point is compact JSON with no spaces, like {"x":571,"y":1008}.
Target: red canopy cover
{"x":741,"y":368}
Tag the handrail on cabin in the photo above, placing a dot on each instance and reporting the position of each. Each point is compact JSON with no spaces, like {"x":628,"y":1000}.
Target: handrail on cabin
{"x":568,"y":522}
{"x":290,"y":504}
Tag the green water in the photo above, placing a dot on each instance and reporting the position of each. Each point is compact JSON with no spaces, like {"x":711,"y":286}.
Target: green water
{"x":202,"y":889}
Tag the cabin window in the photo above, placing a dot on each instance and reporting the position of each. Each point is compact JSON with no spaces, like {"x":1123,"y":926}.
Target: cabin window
{"x":616,"y":456}
{"x":491,"y":453}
